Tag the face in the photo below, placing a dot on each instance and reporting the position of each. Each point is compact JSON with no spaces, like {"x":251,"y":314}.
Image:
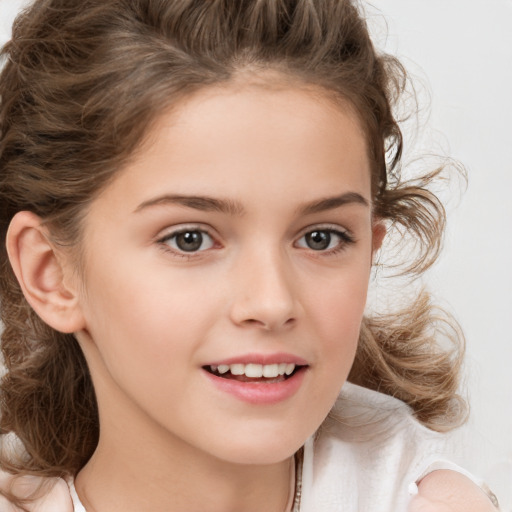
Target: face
{"x":226,"y":271}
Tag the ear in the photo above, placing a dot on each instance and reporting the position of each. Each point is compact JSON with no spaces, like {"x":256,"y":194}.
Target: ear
{"x":378,"y":234}
{"x":41,"y":273}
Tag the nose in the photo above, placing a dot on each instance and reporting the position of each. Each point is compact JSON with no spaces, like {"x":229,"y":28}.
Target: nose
{"x":265,"y":295}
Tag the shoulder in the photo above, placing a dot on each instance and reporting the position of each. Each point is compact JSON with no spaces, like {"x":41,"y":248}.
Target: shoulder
{"x":385,"y":453}
{"x":362,"y":415}
{"x":449,"y":491}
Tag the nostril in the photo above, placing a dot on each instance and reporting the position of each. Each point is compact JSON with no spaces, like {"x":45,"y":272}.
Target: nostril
{"x":269,"y":324}
{"x":269,"y":311}
{"x":253,"y":322}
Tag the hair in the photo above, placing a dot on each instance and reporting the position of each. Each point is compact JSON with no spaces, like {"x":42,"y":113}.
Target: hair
{"x":82,"y":83}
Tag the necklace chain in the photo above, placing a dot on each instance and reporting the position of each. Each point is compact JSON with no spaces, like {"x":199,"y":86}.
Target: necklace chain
{"x":299,"y":457}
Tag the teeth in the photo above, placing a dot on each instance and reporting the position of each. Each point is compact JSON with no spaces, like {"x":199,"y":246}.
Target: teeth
{"x":237,"y":369}
{"x":289,"y":369}
{"x":271,"y":370}
{"x":255,"y":371}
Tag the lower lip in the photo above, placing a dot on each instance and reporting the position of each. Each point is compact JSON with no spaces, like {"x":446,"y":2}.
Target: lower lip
{"x":259,"y":392}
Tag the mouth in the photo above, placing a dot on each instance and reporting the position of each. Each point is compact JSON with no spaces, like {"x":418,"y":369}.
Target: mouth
{"x":251,"y":372}
{"x":258,"y":379}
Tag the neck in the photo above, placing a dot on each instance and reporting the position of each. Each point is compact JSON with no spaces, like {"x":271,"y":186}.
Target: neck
{"x":142,"y":468}
{"x":114,"y":483}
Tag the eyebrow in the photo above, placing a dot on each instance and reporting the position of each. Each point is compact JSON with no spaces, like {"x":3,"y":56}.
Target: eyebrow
{"x":209,"y":204}
{"x":203,"y":203}
{"x":330,"y":203}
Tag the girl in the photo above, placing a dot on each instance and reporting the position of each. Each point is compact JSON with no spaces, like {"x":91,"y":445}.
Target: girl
{"x":192,"y":195}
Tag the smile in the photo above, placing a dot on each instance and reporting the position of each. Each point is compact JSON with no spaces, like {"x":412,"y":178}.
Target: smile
{"x":257,"y":383}
{"x":253,"y":371}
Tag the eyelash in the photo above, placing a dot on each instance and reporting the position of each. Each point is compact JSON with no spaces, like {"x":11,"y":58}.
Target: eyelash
{"x":345,"y":239}
{"x":164,"y":242}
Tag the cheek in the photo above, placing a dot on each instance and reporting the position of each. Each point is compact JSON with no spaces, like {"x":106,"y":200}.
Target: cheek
{"x":146,"y":319}
{"x":339,"y":309}
{"x":337,"y":313}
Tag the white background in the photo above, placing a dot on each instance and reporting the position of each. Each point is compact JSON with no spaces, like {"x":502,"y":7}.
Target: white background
{"x":460,"y":52}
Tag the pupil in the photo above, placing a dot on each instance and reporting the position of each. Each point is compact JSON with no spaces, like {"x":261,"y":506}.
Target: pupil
{"x":189,"y":241}
{"x":318,"y":240}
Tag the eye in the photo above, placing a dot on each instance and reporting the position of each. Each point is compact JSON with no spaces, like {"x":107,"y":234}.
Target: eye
{"x":189,"y":240}
{"x":325,"y":240}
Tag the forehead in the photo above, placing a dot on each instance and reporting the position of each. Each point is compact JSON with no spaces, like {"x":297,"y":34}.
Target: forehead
{"x":228,"y":138}
{"x":249,"y":102}
{"x":243,"y":116}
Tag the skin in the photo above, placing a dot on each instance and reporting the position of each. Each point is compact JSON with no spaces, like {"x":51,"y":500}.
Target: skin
{"x":153,"y":318}
{"x":448,"y":491}
{"x":150,"y":316}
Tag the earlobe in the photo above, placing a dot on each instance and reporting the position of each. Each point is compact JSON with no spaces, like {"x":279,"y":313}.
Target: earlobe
{"x":40,"y":273}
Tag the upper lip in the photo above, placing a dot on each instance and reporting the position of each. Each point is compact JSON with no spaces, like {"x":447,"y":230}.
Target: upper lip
{"x":262,"y":359}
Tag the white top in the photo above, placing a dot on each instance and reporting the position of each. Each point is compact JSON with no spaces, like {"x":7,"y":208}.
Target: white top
{"x":368,"y":455}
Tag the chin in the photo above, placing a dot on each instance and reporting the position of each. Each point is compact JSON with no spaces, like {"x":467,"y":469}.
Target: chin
{"x":260,"y":451}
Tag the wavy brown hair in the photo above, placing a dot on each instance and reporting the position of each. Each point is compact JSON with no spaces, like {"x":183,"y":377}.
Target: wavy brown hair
{"x":83,"y":81}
